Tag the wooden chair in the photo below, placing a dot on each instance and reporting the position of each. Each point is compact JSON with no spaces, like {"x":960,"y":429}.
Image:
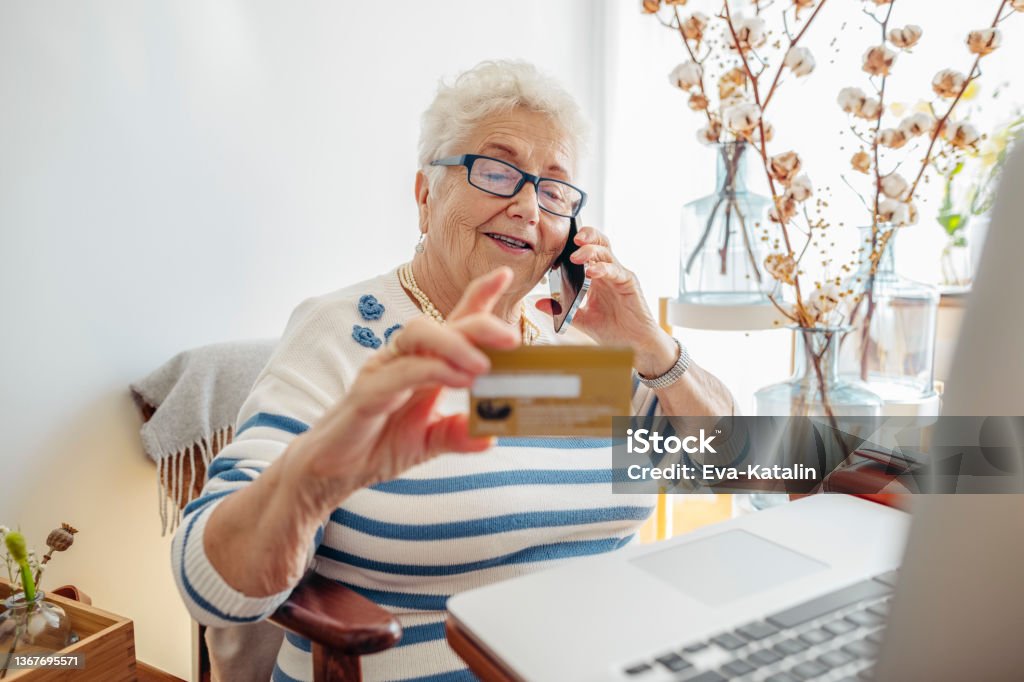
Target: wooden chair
{"x":341,"y":625}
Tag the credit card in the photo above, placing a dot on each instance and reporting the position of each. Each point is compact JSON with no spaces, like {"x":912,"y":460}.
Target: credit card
{"x":552,"y":391}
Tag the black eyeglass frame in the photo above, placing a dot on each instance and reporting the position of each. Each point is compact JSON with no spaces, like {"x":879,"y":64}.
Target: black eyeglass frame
{"x":468,"y":160}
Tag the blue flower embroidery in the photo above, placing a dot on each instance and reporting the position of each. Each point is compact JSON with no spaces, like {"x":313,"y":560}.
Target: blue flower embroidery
{"x":391,"y":330}
{"x":364,"y":336}
{"x":370,"y":308}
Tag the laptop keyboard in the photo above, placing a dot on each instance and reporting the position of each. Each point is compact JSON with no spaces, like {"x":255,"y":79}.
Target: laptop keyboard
{"x":832,"y":638}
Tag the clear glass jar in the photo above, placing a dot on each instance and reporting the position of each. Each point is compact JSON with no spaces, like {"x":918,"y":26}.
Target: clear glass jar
{"x":892,"y":349}
{"x":957,"y":263}
{"x":32,"y":627}
{"x":721,"y":253}
{"x":816,"y":389}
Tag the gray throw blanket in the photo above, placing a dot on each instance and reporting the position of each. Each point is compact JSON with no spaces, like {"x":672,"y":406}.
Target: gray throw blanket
{"x":190,"y":405}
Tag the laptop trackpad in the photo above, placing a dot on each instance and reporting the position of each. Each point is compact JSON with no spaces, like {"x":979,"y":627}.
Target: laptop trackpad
{"x":726,"y":566}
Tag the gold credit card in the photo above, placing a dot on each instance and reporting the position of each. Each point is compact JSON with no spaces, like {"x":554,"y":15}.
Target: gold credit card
{"x":552,"y":391}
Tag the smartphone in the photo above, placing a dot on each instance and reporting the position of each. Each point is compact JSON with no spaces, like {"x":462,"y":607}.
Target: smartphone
{"x":568,"y":282}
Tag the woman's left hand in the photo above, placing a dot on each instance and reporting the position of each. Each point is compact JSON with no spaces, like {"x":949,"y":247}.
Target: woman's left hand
{"x":615,"y":312}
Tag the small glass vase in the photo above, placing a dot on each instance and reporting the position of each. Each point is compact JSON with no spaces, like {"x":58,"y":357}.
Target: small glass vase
{"x":893,"y":350}
{"x":721,"y":254}
{"x":816,"y":389}
{"x":32,"y":627}
{"x":957,"y":263}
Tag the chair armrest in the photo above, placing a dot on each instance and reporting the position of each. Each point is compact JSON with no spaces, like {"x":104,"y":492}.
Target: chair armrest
{"x":337,"y":618}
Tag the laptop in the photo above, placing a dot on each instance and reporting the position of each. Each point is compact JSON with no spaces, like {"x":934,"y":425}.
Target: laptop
{"x":828,"y":587}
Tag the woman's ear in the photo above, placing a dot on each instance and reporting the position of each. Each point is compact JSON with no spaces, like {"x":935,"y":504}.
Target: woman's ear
{"x":422,"y":192}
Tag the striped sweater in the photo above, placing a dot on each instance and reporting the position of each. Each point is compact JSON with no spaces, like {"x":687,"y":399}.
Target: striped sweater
{"x":450,"y":524}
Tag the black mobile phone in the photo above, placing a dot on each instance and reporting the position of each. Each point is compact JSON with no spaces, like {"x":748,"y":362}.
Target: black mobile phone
{"x":568,"y":282}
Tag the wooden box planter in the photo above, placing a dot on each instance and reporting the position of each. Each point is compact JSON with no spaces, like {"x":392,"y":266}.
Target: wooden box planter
{"x":108,"y":642}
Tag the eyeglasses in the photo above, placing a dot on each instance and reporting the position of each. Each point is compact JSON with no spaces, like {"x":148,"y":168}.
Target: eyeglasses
{"x":502,"y":179}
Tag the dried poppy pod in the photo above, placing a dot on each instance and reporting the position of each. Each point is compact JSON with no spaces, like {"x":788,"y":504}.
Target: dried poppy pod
{"x":61,"y":538}
{"x":906,"y":37}
{"x":984,"y":42}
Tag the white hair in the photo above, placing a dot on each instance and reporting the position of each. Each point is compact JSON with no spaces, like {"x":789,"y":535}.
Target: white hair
{"x":489,"y":88}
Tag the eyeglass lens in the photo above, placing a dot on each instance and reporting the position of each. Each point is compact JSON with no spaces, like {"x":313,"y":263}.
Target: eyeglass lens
{"x":500,"y":178}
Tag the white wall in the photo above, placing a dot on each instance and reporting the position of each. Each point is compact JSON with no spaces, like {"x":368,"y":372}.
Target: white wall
{"x":174,"y":174}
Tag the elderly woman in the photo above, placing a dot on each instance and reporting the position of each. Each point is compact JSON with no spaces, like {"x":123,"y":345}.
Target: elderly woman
{"x":352,"y":456}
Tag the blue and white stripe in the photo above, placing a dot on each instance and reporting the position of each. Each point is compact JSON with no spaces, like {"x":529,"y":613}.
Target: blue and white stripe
{"x":448,"y":525}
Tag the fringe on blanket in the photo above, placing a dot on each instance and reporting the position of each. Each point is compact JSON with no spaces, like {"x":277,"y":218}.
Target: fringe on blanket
{"x":191,"y":463}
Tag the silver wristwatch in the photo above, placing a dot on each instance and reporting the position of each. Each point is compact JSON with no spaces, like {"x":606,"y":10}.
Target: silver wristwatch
{"x":673,"y":374}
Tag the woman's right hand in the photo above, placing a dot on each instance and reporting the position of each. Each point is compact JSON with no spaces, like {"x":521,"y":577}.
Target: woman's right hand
{"x":388,"y":421}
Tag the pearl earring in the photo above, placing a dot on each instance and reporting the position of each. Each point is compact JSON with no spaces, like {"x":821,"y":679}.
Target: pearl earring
{"x":419,"y":245}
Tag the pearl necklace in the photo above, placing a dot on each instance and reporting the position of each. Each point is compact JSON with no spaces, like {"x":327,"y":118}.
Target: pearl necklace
{"x":530,"y":331}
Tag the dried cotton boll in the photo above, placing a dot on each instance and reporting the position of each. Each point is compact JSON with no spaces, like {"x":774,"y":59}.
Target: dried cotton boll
{"x":917,"y":124}
{"x":784,"y":167}
{"x":905,"y":37}
{"x":861,"y":162}
{"x":693,"y":27}
{"x":651,"y":6}
{"x":948,"y":83}
{"x":878,"y":60}
{"x":783,"y":210}
{"x":1017,"y":5}
{"x":851,"y":100}
{"x":698,"y":102}
{"x":894,"y":186}
{"x":769,"y":131}
{"x":961,"y":135}
{"x":893,"y":211}
{"x":984,"y":42}
{"x":892,"y":138}
{"x":743,"y":117}
{"x":750,"y":33}
{"x":781,"y":266}
{"x":675,"y":2}
{"x":870,"y":109}
{"x":686,"y":75}
{"x":800,"y":189}
{"x":711,"y":133}
{"x":799,"y":60}
{"x":824,"y":299}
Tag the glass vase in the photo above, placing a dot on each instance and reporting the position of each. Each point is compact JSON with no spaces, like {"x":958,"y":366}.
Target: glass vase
{"x":32,"y":627}
{"x":957,"y":263}
{"x":816,"y":389}
{"x":721,"y":254}
{"x":893,"y":349}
